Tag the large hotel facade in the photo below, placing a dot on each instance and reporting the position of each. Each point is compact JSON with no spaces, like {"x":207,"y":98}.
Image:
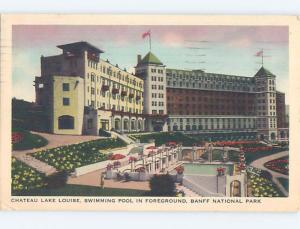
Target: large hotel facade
{"x":84,"y":94}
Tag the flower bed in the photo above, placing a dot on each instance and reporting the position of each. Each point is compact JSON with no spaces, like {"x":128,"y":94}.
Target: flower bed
{"x":25,"y":178}
{"x":280,"y":165}
{"x":262,"y":187}
{"x":23,"y":140}
{"x":72,"y":156}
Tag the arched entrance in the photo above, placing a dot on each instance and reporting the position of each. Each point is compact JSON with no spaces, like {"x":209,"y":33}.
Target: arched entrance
{"x":235,"y":189}
{"x":175,"y":127}
{"x":262,"y":137}
{"x":66,"y":122}
{"x":282,"y":134}
{"x":132,"y":125}
{"x":117,"y":124}
{"x":273,"y":136}
{"x":126,"y":124}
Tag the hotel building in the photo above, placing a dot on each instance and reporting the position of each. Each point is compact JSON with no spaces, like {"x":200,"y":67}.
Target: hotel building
{"x":84,"y":94}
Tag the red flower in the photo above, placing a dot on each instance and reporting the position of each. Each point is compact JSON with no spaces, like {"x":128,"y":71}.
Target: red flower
{"x":116,"y":157}
{"x":132,"y":159}
{"x":17,"y":137}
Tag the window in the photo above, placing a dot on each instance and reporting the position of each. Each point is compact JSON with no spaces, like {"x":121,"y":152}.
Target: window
{"x":90,"y":123}
{"x":66,"y":87}
{"x":66,"y":122}
{"x":66,"y":101}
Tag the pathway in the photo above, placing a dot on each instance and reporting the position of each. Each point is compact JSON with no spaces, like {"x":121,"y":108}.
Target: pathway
{"x":93,"y":179}
{"x":259,"y":163}
{"x":54,"y":140}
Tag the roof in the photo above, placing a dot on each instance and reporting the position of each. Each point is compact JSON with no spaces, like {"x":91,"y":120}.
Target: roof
{"x":150,"y":58}
{"x":79,"y":46}
{"x":264,"y":72}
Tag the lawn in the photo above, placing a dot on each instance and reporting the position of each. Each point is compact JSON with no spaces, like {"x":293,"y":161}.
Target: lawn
{"x":284,"y":182}
{"x":72,"y":156}
{"x":252,"y":156}
{"x":164,"y":137}
{"x":23,"y":140}
{"x":25,"y":178}
{"x":82,"y":190}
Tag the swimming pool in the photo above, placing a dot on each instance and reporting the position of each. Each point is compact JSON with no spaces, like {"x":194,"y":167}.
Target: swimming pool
{"x":205,"y":169}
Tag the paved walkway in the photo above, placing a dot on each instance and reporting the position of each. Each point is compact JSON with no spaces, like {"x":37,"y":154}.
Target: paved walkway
{"x":93,"y":179}
{"x":54,"y":140}
{"x":259,"y":163}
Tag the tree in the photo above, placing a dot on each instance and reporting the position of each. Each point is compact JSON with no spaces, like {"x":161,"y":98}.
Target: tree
{"x":162,"y":185}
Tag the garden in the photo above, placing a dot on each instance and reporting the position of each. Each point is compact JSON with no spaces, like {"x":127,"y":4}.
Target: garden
{"x":280,"y":165}
{"x":25,"y":178}
{"x":72,"y":156}
{"x":23,"y":140}
{"x":164,"y":137}
{"x":263,"y":187}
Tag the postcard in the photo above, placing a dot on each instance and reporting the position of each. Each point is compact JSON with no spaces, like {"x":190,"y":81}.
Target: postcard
{"x":149,"y":112}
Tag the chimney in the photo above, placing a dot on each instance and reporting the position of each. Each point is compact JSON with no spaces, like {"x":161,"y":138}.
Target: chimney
{"x":139,"y":58}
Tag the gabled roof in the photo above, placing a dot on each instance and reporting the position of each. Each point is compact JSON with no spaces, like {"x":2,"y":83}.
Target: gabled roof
{"x":150,"y":58}
{"x":264,"y":72}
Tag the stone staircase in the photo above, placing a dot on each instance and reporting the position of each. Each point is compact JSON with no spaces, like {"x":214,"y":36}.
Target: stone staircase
{"x":123,"y":137}
{"x":188,"y":192}
{"x":36,"y":164}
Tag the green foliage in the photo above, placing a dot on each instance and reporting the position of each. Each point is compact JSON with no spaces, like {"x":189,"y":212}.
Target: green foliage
{"x":162,"y":185}
{"x":284,"y":182}
{"x":25,"y":178}
{"x":164,"y":137}
{"x":57,"y":180}
{"x":252,"y":156}
{"x":72,"y":156}
{"x":30,"y":140}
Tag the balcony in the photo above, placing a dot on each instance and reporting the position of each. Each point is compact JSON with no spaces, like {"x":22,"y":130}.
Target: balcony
{"x":105,"y":88}
{"x":115,"y":91}
{"x":123,"y":93}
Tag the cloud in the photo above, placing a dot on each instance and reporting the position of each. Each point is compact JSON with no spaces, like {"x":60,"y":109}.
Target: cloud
{"x":172,"y":39}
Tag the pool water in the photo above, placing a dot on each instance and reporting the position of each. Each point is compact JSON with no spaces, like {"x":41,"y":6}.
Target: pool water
{"x":205,"y":169}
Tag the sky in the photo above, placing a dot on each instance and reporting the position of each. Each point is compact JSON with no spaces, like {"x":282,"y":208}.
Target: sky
{"x":216,"y":49}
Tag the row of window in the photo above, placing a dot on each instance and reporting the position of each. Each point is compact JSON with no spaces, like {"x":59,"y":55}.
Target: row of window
{"x":210,"y":77}
{"x":154,"y":70}
{"x":209,"y":86}
{"x":154,"y":103}
{"x":114,"y":107}
{"x":159,"y":87}
{"x":157,"y":78}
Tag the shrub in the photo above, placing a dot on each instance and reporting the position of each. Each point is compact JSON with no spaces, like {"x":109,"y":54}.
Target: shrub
{"x":57,"y":180}
{"x":162,"y":185}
